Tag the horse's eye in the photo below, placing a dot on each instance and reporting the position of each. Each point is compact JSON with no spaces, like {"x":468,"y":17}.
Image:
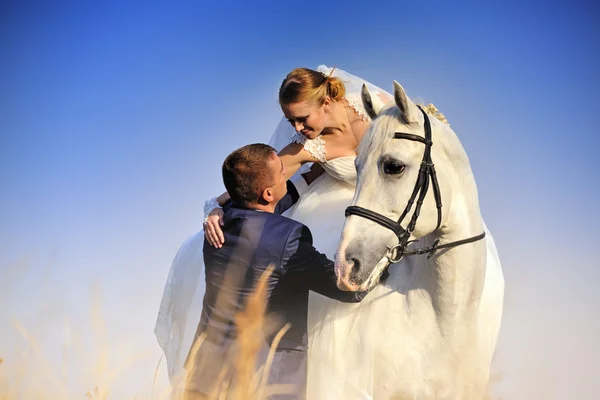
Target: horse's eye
{"x":393,"y":167}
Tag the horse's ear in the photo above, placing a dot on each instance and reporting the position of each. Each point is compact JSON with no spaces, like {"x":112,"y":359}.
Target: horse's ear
{"x":406,"y":106}
{"x":368,"y":102}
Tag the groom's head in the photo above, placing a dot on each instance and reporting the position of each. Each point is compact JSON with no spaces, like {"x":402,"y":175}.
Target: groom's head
{"x":254,"y":175}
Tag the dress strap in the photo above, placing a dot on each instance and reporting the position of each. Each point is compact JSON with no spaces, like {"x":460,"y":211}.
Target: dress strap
{"x":354,"y":100}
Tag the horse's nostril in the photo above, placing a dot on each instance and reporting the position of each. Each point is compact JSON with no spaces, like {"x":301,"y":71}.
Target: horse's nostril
{"x":354,"y":271}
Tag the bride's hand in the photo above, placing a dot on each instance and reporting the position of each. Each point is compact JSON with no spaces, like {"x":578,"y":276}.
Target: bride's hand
{"x":212,"y":228}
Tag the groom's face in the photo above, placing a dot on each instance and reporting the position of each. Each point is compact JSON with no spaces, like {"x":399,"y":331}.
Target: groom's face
{"x":279,"y":187}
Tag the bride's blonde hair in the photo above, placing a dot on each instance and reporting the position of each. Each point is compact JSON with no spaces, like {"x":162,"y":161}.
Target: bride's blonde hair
{"x":304,"y":84}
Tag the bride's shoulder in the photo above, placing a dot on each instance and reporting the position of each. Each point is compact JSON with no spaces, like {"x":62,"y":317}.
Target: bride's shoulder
{"x":359,"y":127}
{"x":358,"y":118}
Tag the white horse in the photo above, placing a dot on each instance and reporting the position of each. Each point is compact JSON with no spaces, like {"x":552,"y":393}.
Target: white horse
{"x":436,"y":320}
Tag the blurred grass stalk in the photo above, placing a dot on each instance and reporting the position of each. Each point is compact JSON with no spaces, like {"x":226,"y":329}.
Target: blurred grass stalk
{"x":248,"y":380}
{"x":33,"y":377}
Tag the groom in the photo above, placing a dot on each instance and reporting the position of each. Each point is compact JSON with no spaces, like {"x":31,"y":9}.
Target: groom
{"x":256,"y":236}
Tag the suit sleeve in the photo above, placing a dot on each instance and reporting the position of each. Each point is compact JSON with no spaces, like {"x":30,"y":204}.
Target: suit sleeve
{"x":288,"y":200}
{"x":313,"y":269}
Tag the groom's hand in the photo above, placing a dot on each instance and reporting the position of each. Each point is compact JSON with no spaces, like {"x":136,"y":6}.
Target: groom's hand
{"x":212,"y":228}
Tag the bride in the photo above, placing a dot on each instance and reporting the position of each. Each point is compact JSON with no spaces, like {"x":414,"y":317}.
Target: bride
{"x":324,"y":121}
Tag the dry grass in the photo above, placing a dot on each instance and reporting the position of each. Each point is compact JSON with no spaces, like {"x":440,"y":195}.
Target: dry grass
{"x":36,"y":372}
{"x":33,"y":377}
{"x":244,"y":378}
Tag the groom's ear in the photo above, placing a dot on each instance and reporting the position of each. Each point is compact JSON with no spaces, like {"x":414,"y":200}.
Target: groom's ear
{"x":267,"y":195}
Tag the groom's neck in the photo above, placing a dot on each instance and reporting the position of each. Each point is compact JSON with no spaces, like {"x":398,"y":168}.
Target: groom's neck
{"x":264,"y":207}
{"x":261,"y":206}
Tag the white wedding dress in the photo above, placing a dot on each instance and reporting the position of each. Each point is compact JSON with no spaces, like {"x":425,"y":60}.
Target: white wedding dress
{"x":341,"y":360}
{"x":321,"y":209}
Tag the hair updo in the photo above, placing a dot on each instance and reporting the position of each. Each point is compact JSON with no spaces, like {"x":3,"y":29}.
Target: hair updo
{"x":303,"y":84}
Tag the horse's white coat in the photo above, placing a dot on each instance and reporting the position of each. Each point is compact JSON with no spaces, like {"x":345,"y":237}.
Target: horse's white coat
{"x":435,"y":322}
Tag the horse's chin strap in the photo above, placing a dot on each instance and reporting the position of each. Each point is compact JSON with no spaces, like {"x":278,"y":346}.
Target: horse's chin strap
{"x":426,"y":176}
{"x":430,"y":251}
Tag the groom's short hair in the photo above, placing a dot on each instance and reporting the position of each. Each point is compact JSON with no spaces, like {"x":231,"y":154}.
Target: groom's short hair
{"x":246,"y":173}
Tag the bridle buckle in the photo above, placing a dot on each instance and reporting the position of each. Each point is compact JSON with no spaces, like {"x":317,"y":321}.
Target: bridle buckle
{"x":399,"y":250}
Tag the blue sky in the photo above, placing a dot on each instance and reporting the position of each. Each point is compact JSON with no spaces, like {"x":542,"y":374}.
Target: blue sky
{"x":114,"y":120}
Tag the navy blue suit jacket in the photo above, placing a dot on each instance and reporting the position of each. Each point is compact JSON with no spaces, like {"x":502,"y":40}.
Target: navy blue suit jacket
{"x":253,"y":241}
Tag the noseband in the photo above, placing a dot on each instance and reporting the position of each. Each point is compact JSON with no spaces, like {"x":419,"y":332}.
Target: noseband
{"x":426,"y":177}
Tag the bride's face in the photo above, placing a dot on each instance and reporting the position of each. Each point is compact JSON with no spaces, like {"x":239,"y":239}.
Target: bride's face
{"x":307,"y":118}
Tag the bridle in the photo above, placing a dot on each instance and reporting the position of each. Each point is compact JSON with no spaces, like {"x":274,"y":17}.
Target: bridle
{"x":426,"y":177}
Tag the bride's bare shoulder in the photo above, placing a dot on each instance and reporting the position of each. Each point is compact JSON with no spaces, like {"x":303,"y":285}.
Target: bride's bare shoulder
{"x":358,"y":121}
{"x":359,"y":126}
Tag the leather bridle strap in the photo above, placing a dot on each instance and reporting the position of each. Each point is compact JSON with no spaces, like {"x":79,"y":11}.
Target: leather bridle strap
{"x":436,"y":246}
{"x":426,"y":172}
{"x":378,"y":218}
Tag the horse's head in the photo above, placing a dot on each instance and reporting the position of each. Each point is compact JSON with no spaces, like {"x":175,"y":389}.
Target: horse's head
{"x":388,"y":171}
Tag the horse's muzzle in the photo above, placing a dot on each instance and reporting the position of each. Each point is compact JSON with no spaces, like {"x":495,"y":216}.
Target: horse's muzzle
{"x":347,"y":285}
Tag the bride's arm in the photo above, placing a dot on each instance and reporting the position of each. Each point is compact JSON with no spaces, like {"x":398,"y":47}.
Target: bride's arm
{"x":293,"y":157}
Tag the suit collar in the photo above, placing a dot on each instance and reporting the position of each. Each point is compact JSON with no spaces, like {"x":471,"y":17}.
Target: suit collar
{"x":235,"y":211}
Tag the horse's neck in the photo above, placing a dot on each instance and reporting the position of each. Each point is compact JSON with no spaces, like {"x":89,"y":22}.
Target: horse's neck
{"x":455,"y":277}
